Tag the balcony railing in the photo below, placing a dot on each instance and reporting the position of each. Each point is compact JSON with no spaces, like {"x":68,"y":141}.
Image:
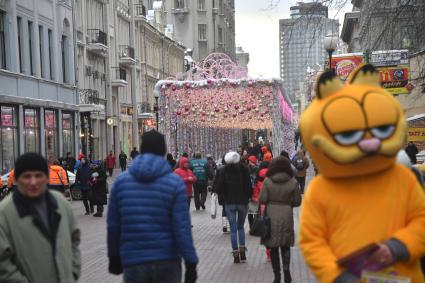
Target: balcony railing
{"x":140,"y":10}
{"x":97,"y":36}
{"x":119,"y":74}
{"x":126,"y":51}
{"x":91,"y":96}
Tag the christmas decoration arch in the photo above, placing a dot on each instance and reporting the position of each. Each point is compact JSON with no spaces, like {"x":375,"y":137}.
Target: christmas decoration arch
{"x":208,"y":113}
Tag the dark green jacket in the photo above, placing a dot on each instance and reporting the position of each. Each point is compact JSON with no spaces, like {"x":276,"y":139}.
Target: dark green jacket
{"x":31,"y":253}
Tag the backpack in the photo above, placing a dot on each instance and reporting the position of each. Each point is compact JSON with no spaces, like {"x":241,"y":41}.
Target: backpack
{"x":299,"y":164}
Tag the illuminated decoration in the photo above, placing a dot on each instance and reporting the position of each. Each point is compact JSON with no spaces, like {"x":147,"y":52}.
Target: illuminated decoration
{"x":209,"y":113}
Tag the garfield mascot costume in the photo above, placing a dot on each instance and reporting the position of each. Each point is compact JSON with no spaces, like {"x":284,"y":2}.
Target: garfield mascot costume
{"x":353,"y":132}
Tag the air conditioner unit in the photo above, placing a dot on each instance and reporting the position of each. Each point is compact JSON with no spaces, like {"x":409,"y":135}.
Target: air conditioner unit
{"x":89,"y":70}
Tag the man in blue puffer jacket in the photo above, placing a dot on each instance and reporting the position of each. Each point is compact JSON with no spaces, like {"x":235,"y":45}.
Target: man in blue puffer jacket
{"x":149,"y":229}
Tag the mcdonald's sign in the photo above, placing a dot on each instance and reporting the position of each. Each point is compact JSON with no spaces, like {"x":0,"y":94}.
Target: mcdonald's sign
{"x":395,"y":79}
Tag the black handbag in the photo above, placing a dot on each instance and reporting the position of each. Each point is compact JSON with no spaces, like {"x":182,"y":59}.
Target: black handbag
{"x":261,"y":227}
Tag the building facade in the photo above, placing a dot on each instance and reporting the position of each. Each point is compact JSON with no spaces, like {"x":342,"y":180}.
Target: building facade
{"x":205,"y":26}
{"x":301,"y":42}
{"x":242,"y":57}
{"x":38,"y":98}
{"x":385,"y":25}
{"x":121,"y":56}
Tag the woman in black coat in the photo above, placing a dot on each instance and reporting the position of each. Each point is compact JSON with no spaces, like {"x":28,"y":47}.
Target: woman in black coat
{"x":99,"y":189}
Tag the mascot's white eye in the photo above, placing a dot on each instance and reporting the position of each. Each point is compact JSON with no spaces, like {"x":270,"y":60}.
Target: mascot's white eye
{"x":383,"y":132}
{"x":349,"y":138}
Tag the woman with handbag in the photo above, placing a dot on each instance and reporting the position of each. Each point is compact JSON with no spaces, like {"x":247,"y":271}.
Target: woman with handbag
{"x":280,"y":194}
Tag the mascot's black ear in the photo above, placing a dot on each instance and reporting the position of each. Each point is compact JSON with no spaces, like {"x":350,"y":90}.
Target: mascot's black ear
{"x":328,"y":84}
{"x":365,"y":75}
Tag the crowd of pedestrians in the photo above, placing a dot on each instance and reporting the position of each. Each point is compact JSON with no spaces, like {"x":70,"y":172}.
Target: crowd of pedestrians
{"x":149,"y":230}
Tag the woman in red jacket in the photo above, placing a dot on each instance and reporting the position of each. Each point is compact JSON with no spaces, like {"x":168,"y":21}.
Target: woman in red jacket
{"x":187,"y":175}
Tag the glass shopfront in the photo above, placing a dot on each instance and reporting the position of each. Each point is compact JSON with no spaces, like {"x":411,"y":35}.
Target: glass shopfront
{"x":68,"y":133}
{"x":8,"y":138}
{"x":50,"y":134}
{"x":31,"y":130}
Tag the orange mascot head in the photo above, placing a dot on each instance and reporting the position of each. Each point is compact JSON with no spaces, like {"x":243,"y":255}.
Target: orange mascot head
{"x":353,"y":129}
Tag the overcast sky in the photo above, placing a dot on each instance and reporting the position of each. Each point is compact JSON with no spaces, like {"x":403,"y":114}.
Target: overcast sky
{"x":257,"y":31}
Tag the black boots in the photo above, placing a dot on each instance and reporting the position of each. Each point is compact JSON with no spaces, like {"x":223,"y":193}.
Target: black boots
{"x":236,"y":258}
{"x":287,"y":276}
{"x":99,"y":212}
{"x":242,"y":254}
{"x":277,"y":277}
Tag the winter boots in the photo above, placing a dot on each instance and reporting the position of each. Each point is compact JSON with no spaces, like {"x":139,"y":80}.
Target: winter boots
{"x":236,"y":258}
{"x":99,"y":212}
{"x":277,"y":277}
{"x":287,"y":276}
{"x":242,"y":255}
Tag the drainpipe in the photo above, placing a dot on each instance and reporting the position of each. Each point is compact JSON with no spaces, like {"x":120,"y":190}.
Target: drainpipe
{"x":146,"y":63}
{"x":77,"y":95}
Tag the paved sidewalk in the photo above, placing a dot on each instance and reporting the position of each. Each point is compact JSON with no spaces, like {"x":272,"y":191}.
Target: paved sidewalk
{"x":216,"y":262}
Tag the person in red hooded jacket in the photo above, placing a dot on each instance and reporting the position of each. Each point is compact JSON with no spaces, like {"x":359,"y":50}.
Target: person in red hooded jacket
{"x":253,"y":207}
{"x":267,"y":155}
{"x":187,"y":175}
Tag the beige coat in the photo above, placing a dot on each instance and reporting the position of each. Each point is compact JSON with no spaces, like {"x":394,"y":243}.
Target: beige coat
{"x":280,"y":194}
{"x":26,"y":255}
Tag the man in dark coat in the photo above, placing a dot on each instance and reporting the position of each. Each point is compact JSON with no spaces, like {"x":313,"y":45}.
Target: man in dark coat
{"x":134,"y":153}
{"x":82,"y":179}
{"x":123,"y":161}
{"x":411,"y":151}
{"x":149,"y":230}
{"x":70,"y":162}
{"x":99,"y":190}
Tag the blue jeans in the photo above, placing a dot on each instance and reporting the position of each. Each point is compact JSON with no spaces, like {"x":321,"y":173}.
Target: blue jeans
{"x":236,"y":213}
{"x":169,"y":271}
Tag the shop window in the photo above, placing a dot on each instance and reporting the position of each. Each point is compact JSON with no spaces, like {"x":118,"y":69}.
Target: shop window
{"x":8,"y":138}
{"x":68,"y":133}
{"x":50,"y":134}
{"x":31,"y":130}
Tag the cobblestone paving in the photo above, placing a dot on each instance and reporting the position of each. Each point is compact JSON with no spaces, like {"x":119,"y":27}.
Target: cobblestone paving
{"x":213,"y":247}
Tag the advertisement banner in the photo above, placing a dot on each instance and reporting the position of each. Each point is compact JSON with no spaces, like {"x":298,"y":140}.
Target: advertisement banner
{"x":416,"y":134}
{"x":345,"y":64}
{"x":389,"y":58}
{"x":395,"y":79}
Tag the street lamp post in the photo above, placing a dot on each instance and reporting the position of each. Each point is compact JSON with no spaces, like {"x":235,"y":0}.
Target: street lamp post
{"x":330,"y":44}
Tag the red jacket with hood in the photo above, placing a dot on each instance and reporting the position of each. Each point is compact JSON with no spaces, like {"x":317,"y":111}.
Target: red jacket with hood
{"x":186,"y":174}
{"x":259,"y":184}
{"x":267,"y":155}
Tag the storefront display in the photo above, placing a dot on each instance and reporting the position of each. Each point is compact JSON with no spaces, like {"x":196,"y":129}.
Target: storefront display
{"x":8,"y":138}
{"x":50,"y":133}
{"x":68,"y":133}
{"x":32,"y":129}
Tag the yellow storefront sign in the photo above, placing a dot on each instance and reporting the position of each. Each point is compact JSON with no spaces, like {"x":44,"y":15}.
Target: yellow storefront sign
{"x":416,"y":134}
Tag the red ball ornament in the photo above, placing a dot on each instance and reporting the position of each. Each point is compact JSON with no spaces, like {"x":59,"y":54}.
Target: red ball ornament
{"x":173,"y":88}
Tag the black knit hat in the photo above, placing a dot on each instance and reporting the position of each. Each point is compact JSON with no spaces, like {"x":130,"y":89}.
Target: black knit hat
{"x":153,"y":142}
{"x":30,"y":162}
